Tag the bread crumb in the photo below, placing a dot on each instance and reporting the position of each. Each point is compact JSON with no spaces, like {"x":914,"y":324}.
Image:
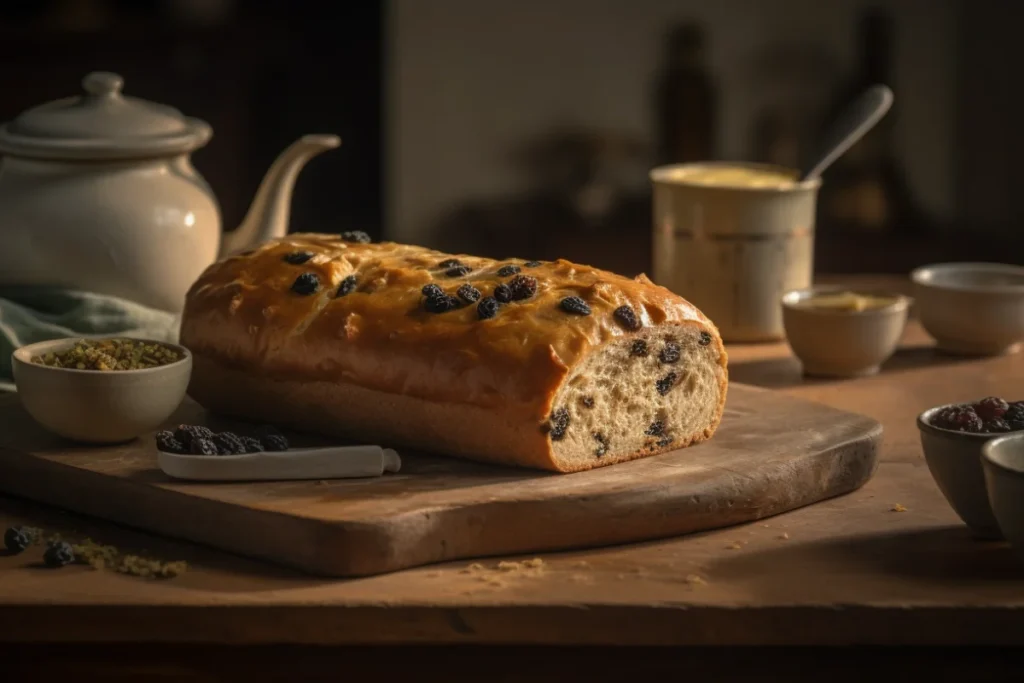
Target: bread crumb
{"x":497,"y":583}
{"x":472,"y":569}
{"x":897,"y":508}
{"x":735,"y":545}
{"x":695,"y":580}
{"x":534,"y":566}
{"x":620,"y":576}
{"x":582,"y":564}
{"x":783,"y":536}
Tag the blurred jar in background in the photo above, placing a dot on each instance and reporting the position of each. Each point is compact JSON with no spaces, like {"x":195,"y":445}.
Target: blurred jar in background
{"x":685,"y":100}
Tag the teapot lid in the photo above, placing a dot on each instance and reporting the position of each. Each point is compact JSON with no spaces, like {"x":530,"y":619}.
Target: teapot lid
{"x":102,"y":124}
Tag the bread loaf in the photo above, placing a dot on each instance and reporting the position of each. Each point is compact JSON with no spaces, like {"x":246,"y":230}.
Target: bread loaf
{"x":550,"y":365}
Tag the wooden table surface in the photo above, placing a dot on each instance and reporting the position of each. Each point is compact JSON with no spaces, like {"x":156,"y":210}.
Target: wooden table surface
{"x":890,"y":564}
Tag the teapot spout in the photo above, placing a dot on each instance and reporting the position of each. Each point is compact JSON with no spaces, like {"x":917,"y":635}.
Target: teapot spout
{"x":267,"y":217}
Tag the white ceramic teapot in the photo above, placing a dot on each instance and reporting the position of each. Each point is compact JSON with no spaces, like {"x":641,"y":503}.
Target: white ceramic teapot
{"x":98,"y":193}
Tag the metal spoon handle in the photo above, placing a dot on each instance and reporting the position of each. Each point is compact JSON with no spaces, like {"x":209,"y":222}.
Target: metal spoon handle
{"x":852,"y":123}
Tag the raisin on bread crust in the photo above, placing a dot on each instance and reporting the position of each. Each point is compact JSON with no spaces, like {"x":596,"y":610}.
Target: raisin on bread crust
{"x":385,"y":342}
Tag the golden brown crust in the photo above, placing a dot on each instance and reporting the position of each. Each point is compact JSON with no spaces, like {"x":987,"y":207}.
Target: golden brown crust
{"x":243,"y":314}
{"x":369,"y":415}
{"x":459,"y":430}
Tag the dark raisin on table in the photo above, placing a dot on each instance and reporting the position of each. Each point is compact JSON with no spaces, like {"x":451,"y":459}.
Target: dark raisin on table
{"x":574,"y":305}
{"x":503,"y":293}
{"x":306,"y":284}
{"x":523,"y":287}
{"x":468,"y":293}
{"x":559,"y":423}
{"x":59,"y":554}
{"x":670,"y":354}
{"x":531,"y":264}
{"x":17,"y":538}
{"x":297,"y":258}
{"x":991,"y":408}
{"x":656,"y":428}
{"x":665,"y":384}
{"x":357,"y":236}
{"x":449,"y":263}
{"x":274,"y":442}
{"x":510,"y":269}
{"x":347,"y":286}
{"x":186,"y":434}
{"x":168,"y":443}
{"x":639,"y":348}
{"x":458,"y":271}
{"x":627,"y":318}
{"x":228,"y":443}
{"x":705,"y":339}
{"x":487,"y":308}
{"x":602,"y":444}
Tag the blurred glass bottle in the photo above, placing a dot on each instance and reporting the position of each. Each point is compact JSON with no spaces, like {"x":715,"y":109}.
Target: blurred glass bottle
{"x":686,"y":99}
{"x":866,"y":190}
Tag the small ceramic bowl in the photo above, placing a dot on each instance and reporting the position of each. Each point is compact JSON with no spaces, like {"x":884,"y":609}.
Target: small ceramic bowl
{"x":842,"y":341}
{"x":1003,"y":461}
{"x":954,"y":459}
{"x":971,"y":308}
{"x":100,"y":407}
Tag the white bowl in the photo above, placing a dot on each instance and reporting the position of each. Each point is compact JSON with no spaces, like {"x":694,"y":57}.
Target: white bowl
{"x":971,"y":308}
{"x":1003,"y":461}
{"x":96,"y":406}
{"x":841,"y":343}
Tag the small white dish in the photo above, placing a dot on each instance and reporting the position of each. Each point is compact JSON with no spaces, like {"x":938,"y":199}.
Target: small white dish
{"x":835,"y":340}
{"x":344,"y":462}
{"x":1003,"y":461}
{"x":971,"y":308}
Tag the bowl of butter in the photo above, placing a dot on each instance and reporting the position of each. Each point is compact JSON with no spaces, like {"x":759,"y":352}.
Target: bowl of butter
{"x":839,"y":332}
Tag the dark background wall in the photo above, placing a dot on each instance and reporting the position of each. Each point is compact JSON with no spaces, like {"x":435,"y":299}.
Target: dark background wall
{"x":261,"y":72}
{"x":528,"y":128}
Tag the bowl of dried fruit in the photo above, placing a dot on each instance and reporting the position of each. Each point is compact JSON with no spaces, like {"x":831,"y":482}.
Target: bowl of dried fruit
{"x":953,"y":437}
{"x":971,"y":308}
{"x":105,"y":391}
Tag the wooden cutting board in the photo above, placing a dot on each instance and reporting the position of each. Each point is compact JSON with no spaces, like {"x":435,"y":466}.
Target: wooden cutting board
{"x":772,"y":454}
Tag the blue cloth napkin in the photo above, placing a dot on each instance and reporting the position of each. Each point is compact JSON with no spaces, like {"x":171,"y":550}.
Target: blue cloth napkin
{"x":34,"y":314}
